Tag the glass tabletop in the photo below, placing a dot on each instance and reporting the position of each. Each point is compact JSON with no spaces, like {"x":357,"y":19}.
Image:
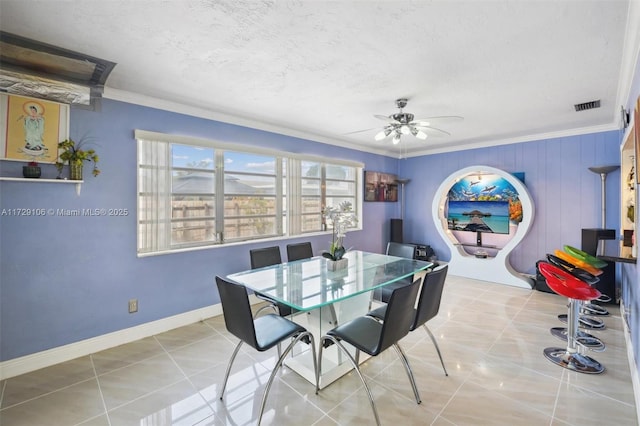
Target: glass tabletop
{"x":307,"y":284}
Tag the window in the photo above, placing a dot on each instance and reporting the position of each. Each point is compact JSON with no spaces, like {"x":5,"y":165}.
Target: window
{"x":252,"y":188}
{"x":198,"y":193}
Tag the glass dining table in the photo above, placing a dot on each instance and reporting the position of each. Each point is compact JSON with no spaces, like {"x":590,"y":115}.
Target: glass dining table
{"x":321,"y":298}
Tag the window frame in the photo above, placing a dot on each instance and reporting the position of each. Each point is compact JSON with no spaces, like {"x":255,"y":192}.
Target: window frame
{"x":289,"y":178}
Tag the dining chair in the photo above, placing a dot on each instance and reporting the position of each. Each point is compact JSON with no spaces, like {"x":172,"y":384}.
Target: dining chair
{"x":372,"y":337}
{"x":261,"y":333}
{"x":299,"y":251}
{"x":428,"y":304}
{"x":399,"y":250}
{"x":266,"y":256}
{"x":260,"y":258}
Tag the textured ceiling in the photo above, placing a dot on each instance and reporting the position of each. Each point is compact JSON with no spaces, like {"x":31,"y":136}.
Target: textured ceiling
{"x":322,"y":69}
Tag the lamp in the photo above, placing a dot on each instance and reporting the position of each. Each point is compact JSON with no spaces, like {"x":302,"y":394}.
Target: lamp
{"x":402,"y":183}
{"x":603,"y":171}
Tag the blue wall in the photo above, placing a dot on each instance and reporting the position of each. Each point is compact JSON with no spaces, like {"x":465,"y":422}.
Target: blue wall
{"x":566,"y":195}
{"x":66,"y":279}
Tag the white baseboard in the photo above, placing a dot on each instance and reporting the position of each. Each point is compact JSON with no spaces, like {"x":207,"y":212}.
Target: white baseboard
{"x":633,"y":367}
{"x":15,"y":367}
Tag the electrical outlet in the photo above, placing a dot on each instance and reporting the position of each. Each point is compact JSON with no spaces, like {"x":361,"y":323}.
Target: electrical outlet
{"x":133,"y":306}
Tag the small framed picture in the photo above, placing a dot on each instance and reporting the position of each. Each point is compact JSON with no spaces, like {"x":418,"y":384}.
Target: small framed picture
{"x":636,"y":131}
{"x":380,"y":187}
{"x":31,"y":128}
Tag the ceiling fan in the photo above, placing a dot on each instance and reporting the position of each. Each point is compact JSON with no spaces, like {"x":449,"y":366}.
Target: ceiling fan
{"x":403,"y":123}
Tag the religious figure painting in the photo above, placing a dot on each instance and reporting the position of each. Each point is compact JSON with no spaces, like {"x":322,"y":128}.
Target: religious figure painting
{"x":31,"y":128}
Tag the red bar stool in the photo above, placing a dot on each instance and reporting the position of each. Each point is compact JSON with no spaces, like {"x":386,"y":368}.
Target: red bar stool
{"x":585,"y":321}
{"x":565,"y":284}
{"x":583,"y":338}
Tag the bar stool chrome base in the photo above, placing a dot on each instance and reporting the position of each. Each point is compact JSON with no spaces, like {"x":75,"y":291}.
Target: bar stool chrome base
{"x":585,"y":322}
{"x":593,"y":309}
{"x":573,"y":361}
{"x":584,"y":339}
{"x":577,"y":291}
{"x":603,"y":298}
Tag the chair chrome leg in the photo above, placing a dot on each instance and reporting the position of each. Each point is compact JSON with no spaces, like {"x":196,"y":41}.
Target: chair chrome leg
{"x":226,"y":375}
{"x":593,"y":309}
{"x":407,"y":368}
{"x":355,"y":366}
{"x":269,"y":306}
{"x":277,"y":312}
{"x":435,"y":343}
{"x":279,"y":364}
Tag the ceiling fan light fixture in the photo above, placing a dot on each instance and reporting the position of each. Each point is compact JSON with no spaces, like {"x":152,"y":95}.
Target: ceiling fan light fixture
{"x":419,"y":134}
{"x":383,"y":134}
{"x":404,"y":123}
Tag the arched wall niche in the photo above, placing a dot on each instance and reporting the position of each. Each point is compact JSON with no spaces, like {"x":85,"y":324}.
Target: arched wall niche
{"x":464,"y":262}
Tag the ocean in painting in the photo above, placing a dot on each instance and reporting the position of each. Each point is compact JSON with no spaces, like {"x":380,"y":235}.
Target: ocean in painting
{"x":494,"y":218}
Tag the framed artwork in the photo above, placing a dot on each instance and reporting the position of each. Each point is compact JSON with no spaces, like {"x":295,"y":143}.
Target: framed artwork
{"x":636,"y":131}
{"x":31,"y":128}
{"x":380,"y":187}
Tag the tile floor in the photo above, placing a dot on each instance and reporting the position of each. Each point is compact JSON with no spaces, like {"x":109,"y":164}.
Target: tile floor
{"x":491,"y":337}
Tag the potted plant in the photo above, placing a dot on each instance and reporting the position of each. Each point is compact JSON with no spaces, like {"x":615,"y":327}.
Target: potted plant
{"x":31,"y":170}
{"x":75,"y":154}
{"x":341,"y":217}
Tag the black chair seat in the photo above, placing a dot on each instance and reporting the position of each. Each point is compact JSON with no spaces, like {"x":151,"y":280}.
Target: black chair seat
{"x":272,"y":329}
{"x":363,"y":333}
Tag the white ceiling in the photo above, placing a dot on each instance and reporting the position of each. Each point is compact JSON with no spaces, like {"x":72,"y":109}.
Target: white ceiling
{"x":322,"y":69}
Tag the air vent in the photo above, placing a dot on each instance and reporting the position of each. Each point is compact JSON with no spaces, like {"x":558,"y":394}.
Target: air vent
{"x":587,"y":105}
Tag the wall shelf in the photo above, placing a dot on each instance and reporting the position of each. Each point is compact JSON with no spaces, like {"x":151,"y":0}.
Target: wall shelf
{"x":78,"y":183}
{"x":478,"y":246}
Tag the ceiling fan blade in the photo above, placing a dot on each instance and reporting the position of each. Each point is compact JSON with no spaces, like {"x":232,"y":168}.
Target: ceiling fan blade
{"x":385,"y":118}
{"x":432,"y":131}
{"x":438,"y":119}
{"x":361,"y":131}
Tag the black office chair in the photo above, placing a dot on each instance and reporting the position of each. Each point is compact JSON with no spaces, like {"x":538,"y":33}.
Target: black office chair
{"x":299,"y":251}
{"x":428,"y":304}
{"x":369,"y":335}
{"x":400,"y":250}
{"x":261,"y":333}
{"x":260,"y":258}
